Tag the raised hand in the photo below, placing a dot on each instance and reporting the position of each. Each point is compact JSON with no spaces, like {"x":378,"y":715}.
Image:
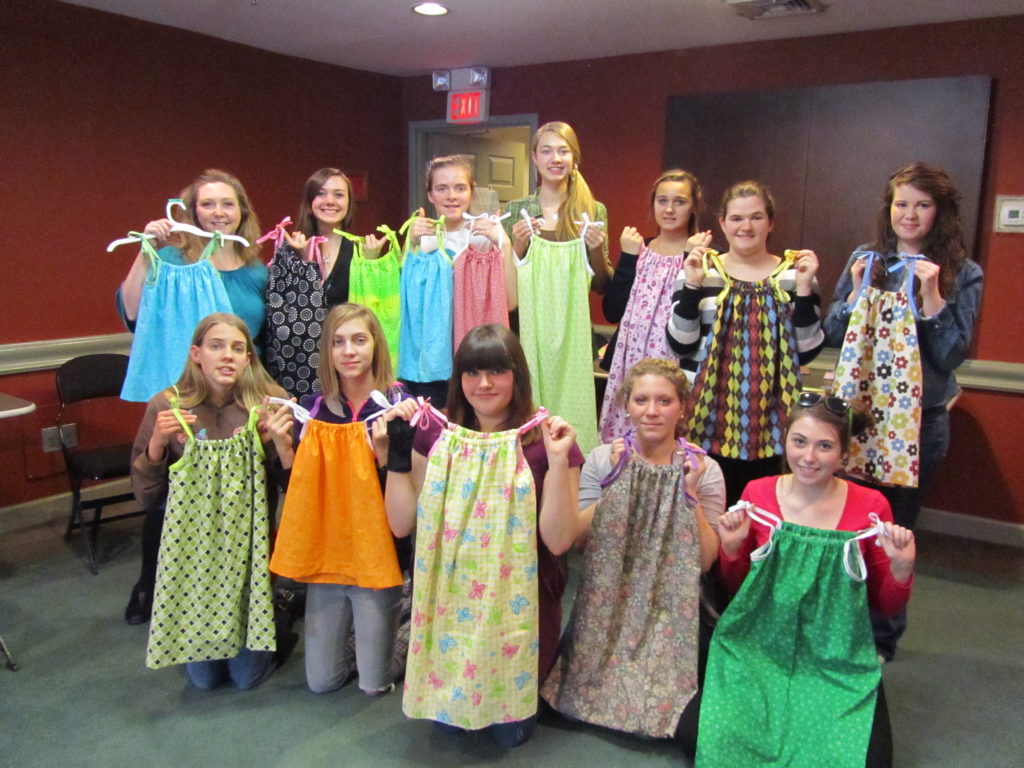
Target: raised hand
{"x":698,"y":240}
{"x":631,"y":240}
{"x":901,"y":548}
{"x":733,"y":529}
{"x":559,"y":437}
{"x":806,"y":264}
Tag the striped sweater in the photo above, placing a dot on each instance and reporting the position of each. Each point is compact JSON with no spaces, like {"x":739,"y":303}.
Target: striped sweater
{"x":693,"y":315}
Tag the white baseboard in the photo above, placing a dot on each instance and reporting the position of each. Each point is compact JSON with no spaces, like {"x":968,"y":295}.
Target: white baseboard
{"x":971,"y":527}
{"x":56,"y":509}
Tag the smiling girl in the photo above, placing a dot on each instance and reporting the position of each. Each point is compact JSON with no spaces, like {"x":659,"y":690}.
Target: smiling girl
{"x":492,"y":497}
{"x":629,"y":659}
{"x":483,"y":272}
{"x":905,"y":329}
{"x":745,"y":315}
{"x":214,"y":202}
{"x":561,"y":244}
{"x":639,"y":296}
{"x":309,"y":274}
{"x":793,"y":652}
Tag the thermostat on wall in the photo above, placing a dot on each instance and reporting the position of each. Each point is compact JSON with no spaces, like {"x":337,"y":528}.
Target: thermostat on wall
{"x":1009,"y":214}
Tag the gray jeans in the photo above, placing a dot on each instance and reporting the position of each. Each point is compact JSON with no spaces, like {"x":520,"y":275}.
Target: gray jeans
{"x":331,"y":612}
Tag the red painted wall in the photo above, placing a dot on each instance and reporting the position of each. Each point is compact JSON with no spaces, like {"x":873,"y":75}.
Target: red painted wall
{"x":105,"y":117}
{"x":617,"y":106}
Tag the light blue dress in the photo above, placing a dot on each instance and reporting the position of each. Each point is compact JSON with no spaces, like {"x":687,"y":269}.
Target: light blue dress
{"x":425,"y":335}
{"x":175,"y":297}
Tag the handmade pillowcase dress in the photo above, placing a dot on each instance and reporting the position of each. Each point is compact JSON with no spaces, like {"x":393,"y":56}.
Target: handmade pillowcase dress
{"x":175,"y":297}
{"x":213,"y":595}
{"x":334,"y":527}
{"x":299,"y":293}
{"x":479,"y":282}
{"x":747,"y":361}
{"x":794,"y":651}
{"x":474,"y":644}
{"x":641,"y":331}
{"x":880,"y":367}
{"x":555,"y":329}
{"x":427,"y":295}
{"x":376,"y":284}
{"x":628,"y":659}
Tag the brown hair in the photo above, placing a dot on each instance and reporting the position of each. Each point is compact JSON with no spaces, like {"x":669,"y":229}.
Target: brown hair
{"x":380,"y":365}
{"x":306,"y":222}
{"x":251,"y":387}
{"x":667,"y":369}
{"x":455,"y":161}
{"x":578,"y":198}
{"x":847,"y":426}
{"x":492,"y":347}
{"x":944,"y":243}
{"x":696,"y":196}
{"x":248,"y":227}
{"x":748,"y":189}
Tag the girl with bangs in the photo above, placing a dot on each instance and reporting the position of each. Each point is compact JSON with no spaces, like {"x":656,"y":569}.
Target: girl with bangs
{"x":200,"y":467}
{"x":334,"y":533}
{"x":495,"y":485}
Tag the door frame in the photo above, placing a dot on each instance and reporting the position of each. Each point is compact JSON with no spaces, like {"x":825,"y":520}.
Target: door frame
{"x":418,"y":129}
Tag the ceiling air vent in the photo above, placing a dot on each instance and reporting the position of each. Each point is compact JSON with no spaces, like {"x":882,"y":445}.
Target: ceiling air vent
{"x":770,"y":9}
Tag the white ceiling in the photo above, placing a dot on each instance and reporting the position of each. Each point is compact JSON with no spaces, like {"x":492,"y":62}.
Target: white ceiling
{"x":385,"y":36}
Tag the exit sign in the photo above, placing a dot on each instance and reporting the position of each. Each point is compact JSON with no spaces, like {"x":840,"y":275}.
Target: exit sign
{"x":467,"y":106}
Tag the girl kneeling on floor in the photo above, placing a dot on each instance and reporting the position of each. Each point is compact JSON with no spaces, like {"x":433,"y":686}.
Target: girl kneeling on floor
{"x":793,"y":675}
{"x":334,"y":532}
{"x":491,"y":492}
{"x":203,"y":453}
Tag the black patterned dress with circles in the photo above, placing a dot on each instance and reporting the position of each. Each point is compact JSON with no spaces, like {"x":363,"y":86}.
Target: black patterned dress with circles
{"x":297,"y":303}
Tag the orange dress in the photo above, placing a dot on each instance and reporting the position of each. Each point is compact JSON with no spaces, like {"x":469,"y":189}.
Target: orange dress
{"x":334,"y":528}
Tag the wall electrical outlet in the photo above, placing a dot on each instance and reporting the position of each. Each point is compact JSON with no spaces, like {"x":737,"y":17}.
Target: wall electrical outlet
{"x":51,"y":438}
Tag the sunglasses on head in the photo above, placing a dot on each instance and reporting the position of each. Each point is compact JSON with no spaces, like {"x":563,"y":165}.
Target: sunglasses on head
{"x":836,"y":405}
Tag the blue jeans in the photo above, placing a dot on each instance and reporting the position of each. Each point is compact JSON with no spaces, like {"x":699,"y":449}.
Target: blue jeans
{"x":246,"y":670}
{"x":507,"y":735}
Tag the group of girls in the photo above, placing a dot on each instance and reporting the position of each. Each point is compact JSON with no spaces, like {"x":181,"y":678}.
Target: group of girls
{"x":493,"y":485}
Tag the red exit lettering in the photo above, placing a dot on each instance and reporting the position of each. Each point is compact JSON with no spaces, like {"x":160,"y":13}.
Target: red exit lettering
{"x":465,"y":106}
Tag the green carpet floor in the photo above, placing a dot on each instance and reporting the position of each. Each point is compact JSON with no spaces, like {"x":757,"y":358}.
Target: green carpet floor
{"x":83,"y":697}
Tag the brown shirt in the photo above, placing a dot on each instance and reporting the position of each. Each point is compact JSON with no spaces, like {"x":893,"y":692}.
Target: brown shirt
{"x":149,"y":480}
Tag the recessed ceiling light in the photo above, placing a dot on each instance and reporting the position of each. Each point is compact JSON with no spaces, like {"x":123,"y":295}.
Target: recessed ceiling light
{"x":430,"y":9}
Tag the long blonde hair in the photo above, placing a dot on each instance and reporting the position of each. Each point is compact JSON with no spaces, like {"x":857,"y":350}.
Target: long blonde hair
{"x":248,"y":227}
{"x":578,"y":198}
{"x":252,"y":386}
{"x":380,"y":366}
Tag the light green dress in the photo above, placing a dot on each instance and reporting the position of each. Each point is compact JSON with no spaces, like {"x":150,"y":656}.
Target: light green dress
{"x":213,"y":595}
{"x":555,"y":330}
{"x":474,"y":639}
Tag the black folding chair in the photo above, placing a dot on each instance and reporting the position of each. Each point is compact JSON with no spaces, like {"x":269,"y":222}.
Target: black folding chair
{"x":91,"y":377}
